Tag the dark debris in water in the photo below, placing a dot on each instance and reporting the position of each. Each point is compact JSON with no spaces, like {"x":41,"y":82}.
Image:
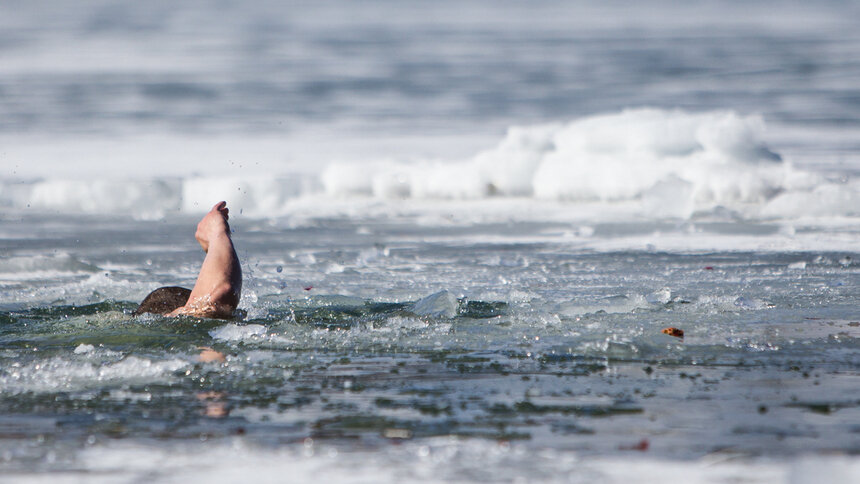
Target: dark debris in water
{"x":824,"y":408}
{"x":527,"y":408}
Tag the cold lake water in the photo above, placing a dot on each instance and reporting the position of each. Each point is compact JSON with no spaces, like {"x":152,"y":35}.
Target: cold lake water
{"x":463,"y":227}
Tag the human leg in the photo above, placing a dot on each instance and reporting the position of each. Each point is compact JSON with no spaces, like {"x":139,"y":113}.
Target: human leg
{"x":219,"y":283}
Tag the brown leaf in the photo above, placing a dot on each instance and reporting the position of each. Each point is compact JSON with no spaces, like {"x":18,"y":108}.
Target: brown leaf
{"x":678,"y":333}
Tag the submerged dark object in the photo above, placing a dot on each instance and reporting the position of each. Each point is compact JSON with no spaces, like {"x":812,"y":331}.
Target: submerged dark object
{"x":163,"y":300}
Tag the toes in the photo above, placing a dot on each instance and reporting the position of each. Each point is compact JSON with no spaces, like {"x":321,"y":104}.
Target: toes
{"x":221,"y":207}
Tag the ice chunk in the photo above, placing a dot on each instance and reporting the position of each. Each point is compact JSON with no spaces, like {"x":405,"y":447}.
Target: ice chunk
{"x":660,"y":296}
{"x":143,"y":198}
{"x":713,"y":158}
{"x":236,"y":332}
{"x":826,"y":199}
{"x":343,"y":179}
{"x":750,"y":303}
{"x":736,"y":137}
{"x":511,"y":165}
{"x":457,"y":181}
{"x":442,"y":304}
{"x":84,"y":348}
{"x":675,"y":162}
{"x":669,"y":197}
{"x":619,"y":303}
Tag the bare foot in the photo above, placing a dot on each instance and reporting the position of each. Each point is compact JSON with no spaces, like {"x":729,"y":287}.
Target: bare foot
{"x":213,"y":224}
{"x":219,"y":283}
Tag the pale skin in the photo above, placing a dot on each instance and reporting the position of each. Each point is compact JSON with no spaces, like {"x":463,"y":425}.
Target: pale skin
{"x":219,"y":284}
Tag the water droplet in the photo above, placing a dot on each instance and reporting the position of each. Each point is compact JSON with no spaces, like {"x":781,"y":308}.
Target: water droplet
{"x":279,"y":269}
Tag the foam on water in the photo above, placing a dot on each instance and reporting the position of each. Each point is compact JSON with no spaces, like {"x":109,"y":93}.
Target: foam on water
{"x":86,"y":371}
{"x":235,"y":332}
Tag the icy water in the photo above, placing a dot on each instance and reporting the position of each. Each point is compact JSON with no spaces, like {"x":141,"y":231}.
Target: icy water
{"x":443,"y":352}
{"x":463,"y":228}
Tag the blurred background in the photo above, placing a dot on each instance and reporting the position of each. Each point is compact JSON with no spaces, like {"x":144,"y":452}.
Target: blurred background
{"x":156,"y":88}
